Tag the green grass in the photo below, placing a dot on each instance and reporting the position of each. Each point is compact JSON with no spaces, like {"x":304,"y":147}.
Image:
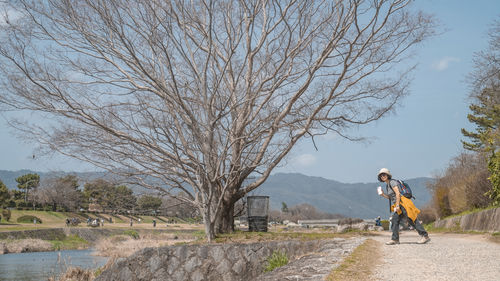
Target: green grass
{"x":131,"y":233}
{"x":28,"y":219}
{"x":471,"y":211}
{"x":277,"y":259}
{"x":199,"y":234}
{"x":242,"y":236}
{"x":455,"y":229}
{"x":69,"y":243}
{"x":61,"y":215}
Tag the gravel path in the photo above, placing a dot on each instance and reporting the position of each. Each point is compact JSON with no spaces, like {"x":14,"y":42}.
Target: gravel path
{"x":445,"y":257}
{"x":315,"y":266}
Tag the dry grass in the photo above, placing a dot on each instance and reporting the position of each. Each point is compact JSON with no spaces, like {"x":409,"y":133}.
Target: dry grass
{"x":359,"y":265}
{"x":121,"y":246}
{"x":79,"y":274}
{"x":299,"y":234}
{"x":495,"y":237}
{"x":75,"y":274}
{"x":25,"y":245}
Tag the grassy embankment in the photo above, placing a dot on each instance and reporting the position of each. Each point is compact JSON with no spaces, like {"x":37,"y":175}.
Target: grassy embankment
{"x":359,"y":264}
{"x":58,"y":219}
{"x":492,"y":236}
{"x":52,"y":220}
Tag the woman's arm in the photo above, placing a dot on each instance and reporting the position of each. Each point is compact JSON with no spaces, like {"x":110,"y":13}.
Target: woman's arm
{"x":398,"y":197}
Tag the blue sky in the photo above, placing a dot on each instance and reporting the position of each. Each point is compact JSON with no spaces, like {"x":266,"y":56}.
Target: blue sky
{"x":424,"y":134}
{"x":418,"y":140}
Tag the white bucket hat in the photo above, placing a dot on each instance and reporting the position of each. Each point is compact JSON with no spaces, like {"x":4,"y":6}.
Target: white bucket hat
{"x":384,"y":171}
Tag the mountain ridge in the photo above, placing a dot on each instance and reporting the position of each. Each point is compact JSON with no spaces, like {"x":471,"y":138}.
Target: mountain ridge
{"x":349,"y":199}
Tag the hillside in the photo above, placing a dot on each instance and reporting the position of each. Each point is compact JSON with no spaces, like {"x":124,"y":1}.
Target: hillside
{"x":349,"y":199}
{"x":9,"y":177}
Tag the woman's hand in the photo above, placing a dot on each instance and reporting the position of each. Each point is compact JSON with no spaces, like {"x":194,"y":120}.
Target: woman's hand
{"x":397,"y":209}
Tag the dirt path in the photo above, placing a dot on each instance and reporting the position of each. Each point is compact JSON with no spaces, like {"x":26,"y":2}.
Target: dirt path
{"x":445,"y":257}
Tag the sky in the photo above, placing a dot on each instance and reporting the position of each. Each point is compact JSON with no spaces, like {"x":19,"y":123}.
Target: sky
{"x":418,"y":140}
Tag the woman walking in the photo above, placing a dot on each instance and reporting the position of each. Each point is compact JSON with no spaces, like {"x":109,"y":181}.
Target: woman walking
{"x":401,"y":208}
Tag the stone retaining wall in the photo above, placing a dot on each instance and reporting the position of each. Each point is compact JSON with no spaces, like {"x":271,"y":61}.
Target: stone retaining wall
{"x":44,"y":234}
{"x":217,"y":262}
{"x":90,"y":234}
{"x":488,"y":220}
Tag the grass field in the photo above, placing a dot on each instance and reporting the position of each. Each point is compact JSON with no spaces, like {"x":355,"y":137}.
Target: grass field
{"x":58,"y":219}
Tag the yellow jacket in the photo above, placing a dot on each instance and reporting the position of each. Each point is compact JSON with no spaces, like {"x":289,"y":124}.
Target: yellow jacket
{"x":410,"y":208}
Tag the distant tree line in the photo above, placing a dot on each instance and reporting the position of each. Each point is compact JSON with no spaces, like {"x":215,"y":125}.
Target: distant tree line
{"x":65,"y":194}
{"x":300,"y":212}
{"x":472,"y":180}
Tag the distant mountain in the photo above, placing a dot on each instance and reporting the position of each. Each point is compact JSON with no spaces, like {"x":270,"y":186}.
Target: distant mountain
{"x":358,"y":200}
{"x":350,"y":199}
{"x":9,"y":177}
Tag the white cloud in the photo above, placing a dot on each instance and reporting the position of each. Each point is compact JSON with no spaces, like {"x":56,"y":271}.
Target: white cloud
{"x":444,"y":63}
{"x":305,"y":160}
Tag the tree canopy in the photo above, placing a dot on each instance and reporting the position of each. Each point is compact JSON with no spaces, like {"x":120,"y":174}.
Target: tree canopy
{"x":485,"y":109}
{"x":4,"y":194}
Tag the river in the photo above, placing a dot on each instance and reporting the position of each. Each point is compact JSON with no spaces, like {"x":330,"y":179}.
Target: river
{"x":42,"y":265}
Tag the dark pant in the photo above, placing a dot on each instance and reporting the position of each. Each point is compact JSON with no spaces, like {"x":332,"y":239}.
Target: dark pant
{"x":396,"y":219}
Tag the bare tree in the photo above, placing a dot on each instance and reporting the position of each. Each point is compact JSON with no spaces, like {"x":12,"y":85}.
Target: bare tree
{"x":201,"y":94}
{"x":60,"y":191}
{"x":462,"y":186}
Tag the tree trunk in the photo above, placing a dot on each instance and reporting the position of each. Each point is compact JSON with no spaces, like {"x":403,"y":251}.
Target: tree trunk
{"x":226,"y":222}
{"x":209,"y":226}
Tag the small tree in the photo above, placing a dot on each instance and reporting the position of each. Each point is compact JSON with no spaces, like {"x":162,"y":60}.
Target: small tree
{"x":284,"y":207}
{"x":109,"y":196}
{"x":149,"y":203}
{"x":4,"y":194}
{"x":28,"y":182}
{"x":124,"y":198}
{"x":60,"y":191}
{"x":494,"y":168}
{"x":6,"y":214}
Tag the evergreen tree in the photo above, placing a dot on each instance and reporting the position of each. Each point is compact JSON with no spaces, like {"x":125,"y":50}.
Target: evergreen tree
{"x":486,"y":116}
{"x":27,"y":182}
{"x":4,"y":194}
{"x":486,"y":110}
{"x":149,"y":203}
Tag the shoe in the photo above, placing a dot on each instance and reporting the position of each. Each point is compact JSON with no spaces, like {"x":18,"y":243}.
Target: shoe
{"x":392,"y":242}
{"x":424,"y":240}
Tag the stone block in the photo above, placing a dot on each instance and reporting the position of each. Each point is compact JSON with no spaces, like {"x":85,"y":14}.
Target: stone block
{"x":191,"y":264}
{"x":172,"y":265}
{"x":224,"y":267}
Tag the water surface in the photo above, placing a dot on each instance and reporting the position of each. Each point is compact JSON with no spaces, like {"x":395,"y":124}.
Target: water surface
{"x":42,"y":265}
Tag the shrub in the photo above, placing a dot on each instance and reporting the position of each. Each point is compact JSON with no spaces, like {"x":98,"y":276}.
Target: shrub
{"x":350,"y":221}
{"x":385,"y":224}
{"x":427,"y":215}
{"x":6,"y":214}
{"x":132,"y":233}
{"x":277,"y":259}
{"x":28,"y":219}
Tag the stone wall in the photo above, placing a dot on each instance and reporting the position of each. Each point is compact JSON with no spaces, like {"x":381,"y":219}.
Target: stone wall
{"x":89,"y":234}
{"x":218,"y":262}
{"x":488,"y":220}
{"x":44,"y":234}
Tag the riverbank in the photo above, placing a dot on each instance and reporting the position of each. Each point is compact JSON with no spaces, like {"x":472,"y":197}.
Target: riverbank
{"x":108,"y":239}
